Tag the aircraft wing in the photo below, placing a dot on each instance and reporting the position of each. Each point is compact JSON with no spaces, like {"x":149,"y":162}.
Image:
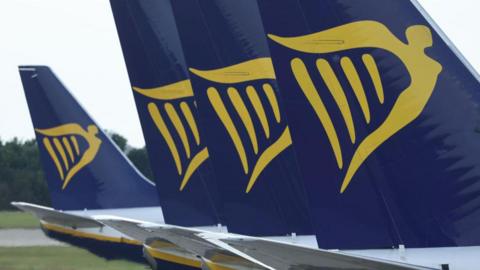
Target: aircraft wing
{"x":244,"y":252}
{"x":207,"y":246}
{"x":51,"y":215}
{"x":213,"y":252}
{"x":283,"y":256}
{"x":133,"y":228}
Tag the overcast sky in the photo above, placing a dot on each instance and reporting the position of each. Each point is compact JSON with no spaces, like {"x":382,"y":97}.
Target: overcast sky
{"x":77,"y":38}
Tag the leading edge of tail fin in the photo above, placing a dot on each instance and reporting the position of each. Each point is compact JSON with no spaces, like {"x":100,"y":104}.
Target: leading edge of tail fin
{"x":242,"y":115}
{"x":168,"y":112}
{"x":384,"y":117}
{"x":83,"y":167}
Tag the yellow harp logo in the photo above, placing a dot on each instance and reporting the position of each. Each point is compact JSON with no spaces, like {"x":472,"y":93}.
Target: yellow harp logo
{"x":249,"y":71}
{"x":63,"y":141}
{"x":408,"y":106}
{"x":177,"y":103}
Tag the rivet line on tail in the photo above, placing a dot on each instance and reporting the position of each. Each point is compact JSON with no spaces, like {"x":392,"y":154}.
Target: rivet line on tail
{"x":181,"y":89}
{"x":252,"y":70}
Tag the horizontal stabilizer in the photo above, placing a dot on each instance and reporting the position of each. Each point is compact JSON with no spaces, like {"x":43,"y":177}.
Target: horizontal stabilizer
{"x":129,"y":227}
{"x":242,"y":252}
{"x":287,"y":256}
{"x":207,"y":245}
{"x":53,"y":216}
{"x":202,"y":243}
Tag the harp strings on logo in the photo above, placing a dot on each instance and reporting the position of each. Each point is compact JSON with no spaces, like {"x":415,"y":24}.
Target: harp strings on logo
{"x":423,"y":71}
{"x":174,"y":106}
{"x":64,"y":145}
{"x":250,"y":103}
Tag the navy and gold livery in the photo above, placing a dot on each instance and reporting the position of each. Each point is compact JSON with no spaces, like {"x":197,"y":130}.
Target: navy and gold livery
{"x":63,"y":141}
{"x":245,"y":127}
{"x":340,"y":119}
{"x":83,"y":168}
{"x":168,"y":112}
{"x":75,"y":152}
{"x":259,"y":71}
{"x":407,"y":107}
{"x":383,"y":116}
{"x":177,"y":104}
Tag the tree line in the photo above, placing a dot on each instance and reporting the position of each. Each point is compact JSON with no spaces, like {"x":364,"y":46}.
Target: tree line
{"x":21,"y":172}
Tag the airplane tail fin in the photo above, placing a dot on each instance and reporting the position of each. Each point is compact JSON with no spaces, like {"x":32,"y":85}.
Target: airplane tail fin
{"x":83,"y":167}
{"x":242,"y":115}
{"x":168,"y":112}
{"x":385,"y":121}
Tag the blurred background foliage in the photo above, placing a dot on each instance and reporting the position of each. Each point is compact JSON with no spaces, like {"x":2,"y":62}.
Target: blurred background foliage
{"x":21,"y":173}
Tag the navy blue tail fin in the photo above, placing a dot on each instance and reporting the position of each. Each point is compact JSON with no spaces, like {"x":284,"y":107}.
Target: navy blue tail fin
{"x":385,"y":121}
{"x":83,"y":167}
{"x":242,"y":116}
{"x":167,"y":109}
